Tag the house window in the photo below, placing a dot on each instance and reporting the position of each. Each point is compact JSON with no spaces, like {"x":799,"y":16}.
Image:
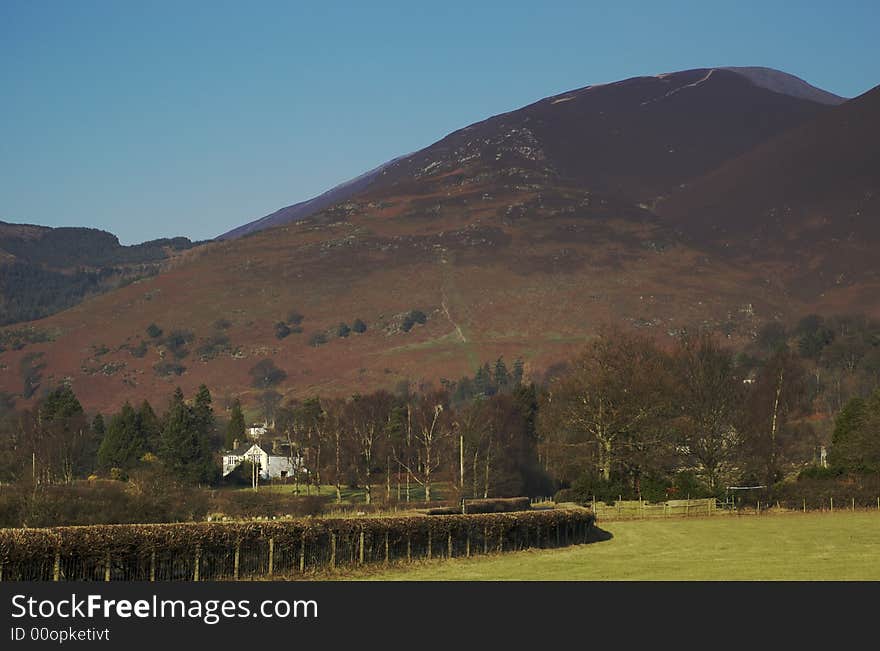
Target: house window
{"x":284,"y":473}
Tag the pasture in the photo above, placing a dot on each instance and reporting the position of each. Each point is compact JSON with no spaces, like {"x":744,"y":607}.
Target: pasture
{"x":819,"y":546}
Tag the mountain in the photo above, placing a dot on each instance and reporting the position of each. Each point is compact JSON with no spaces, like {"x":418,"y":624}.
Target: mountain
{"x":44,"y":270}
{"x":809,"y":197}
{"x":635,"y":139}
{"x":518,"y":236}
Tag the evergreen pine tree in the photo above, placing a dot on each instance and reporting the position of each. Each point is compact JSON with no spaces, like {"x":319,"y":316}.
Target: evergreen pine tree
{"x":204,"y":412}
{"x":184,"y":446}
{"x":517,"y":372}
{"x":124,"y":441}
{"x":502,"y":376}
{"x":98,"y":426}
{"x":150,"y":426}
{"x":235,"y":430}
{"x":59,"y":404}
{"x":482,"y":381}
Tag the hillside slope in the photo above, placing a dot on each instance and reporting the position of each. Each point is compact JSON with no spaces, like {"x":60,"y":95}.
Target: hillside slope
{"x":809,"y":197}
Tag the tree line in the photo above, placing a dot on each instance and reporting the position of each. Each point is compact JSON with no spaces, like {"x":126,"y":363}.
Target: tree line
{"x":626,"y":417}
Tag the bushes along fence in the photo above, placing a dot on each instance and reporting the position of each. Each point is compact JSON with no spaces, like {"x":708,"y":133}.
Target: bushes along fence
{"x":231,"y":551}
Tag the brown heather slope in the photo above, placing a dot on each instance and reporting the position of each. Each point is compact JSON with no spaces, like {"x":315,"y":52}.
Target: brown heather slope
{"x":535,"y":282}
{"x":808,"y":198}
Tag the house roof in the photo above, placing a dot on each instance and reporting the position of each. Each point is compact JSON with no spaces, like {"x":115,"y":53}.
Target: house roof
{"x":241,"y":450}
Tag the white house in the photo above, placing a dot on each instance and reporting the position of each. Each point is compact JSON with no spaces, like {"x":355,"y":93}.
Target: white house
{"x":269,"y":466}
{"x":255,"y":432}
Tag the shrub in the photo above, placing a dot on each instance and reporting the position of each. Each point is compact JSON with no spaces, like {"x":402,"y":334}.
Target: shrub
{"x":212,"y":346}
{"x":167,"y":368}
{"x":359,"y":326}
{"x":342,"y":330}
{"x":317,"y":339}
{"x":818,"y":472}
{"x":176,"y":342}
{"x":281,"y":330}
{"x":265,"y":374}
{"x":140,"y":350}
{"x":294,"y":318}
{"x":411,"y":319}
{"x":154,"y":331}
{"x":497,"y":505}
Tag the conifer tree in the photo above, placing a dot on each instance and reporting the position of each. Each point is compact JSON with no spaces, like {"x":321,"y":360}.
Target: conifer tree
{"x":235,"y":430}
{"x":150,"y":426}
{"x":502,"y":376}
{"x":124,"y":442}
{"x":98,"y":426}
{"x":184,"y":446}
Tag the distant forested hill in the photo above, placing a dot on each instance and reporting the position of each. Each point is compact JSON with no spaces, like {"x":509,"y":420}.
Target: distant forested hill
{"x":45,"y":270}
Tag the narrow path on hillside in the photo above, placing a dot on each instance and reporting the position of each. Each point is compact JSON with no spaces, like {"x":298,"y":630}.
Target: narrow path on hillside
{"x":449,"y":316}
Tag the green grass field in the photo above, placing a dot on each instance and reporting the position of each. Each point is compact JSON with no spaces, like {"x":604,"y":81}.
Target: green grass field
{"x":814,"y":546}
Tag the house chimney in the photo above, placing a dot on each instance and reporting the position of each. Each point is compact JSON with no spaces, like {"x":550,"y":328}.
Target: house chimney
{"x":234,"y":444}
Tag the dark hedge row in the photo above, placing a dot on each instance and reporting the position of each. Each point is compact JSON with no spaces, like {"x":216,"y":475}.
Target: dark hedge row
{"x":218,"y":551}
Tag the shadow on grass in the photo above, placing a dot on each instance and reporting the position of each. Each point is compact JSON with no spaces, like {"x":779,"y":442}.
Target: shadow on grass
{"x":598,"y":534}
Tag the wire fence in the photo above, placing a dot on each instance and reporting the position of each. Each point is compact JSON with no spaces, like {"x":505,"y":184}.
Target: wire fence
{"x":636,"y":509}
{"x":241,"y":551}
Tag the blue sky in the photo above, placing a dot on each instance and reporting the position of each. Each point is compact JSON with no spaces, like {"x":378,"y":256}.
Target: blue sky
{"x":189,"y":118}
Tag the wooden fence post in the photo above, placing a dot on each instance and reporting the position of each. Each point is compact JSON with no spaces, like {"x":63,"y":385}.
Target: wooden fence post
{"x":302,"y":555}
{"x":485,"y":539}
{"x":387,"y":549}
{"x":467,"y":544}
{"x":107,"y":566}
{"x":236,"y":560}
{"x":361,"y":550}
{"x":56,"y":567}
{"x":429,"y":544}
{"x":271,"y":556}
{"x":832,"y":504}
{"x":153,"y":566}
{"x":805,"y":505}
{"x":854,"y":504}
{"x":449,"y":544}
{"x":198,"y":562}
{"x":333,"y":550}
